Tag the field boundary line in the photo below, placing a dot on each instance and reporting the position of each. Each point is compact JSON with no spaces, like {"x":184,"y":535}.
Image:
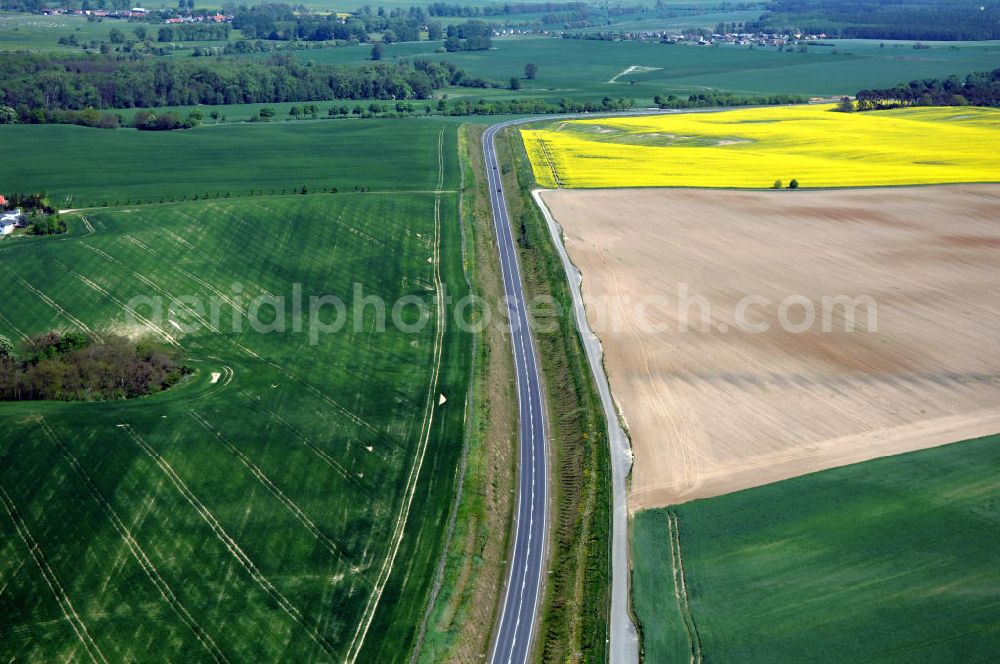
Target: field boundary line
{"x":632,"y":68}
{"x":16,"y":329}
{"x":308,"y":442}
{"x":61,"y":597}
{"x":353,"y":417}
{"x":99,"y":289}
{"x":52,"y":304}
{"x":227,"y":540}
{"x":680,"y":588}
{"x":411,"y":483}
{"x":548,"y":160}
{"x":174,"y":300}
{"x":269,"y":484}
{"x":166,"y":592}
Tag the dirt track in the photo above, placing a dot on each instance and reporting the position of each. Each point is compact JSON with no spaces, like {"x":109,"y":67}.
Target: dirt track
{"x":713,"y":411}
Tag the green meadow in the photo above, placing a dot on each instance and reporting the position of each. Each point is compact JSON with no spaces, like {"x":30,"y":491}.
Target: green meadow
{"x":892,"y":560}
{"x":288,"y":500}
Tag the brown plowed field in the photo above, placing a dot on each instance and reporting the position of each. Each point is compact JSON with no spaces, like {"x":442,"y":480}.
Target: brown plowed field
{"x":722,"y":407}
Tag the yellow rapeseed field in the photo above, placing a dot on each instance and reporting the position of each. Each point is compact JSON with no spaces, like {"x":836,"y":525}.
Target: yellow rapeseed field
{"x":751,"y":148}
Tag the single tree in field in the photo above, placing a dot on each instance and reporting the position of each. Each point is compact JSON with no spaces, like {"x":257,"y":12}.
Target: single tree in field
{"x":515,"y":83}
{"x":777,"y":184}
{"x":846,"y":105}
{"x":530,"y":71}
{"x":140,"y":33}
{"x":377,"y":51}
{"x":214,"y":115}
{"x":794,"y":184}
{"x":116,"y":36}
{"x":294,"y":112}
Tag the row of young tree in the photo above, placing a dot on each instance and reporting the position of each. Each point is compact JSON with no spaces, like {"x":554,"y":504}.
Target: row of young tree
{"x":720,"y":99}
{"x":70,"y":367}
{"x":979,"y":89}
{"x":73,"y":82}
{"x":884,"y":19}
{"x":532,"y":106}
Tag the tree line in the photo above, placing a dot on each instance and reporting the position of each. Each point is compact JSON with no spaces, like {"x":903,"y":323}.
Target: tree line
{"x":275,"y":21}
{"x":466,"y":11}
{"x":979,"y":89}
{"x":884,"y":19}
{"x":55,"y":82}
{"x":70,"y":367}
{"x":720,"y":99}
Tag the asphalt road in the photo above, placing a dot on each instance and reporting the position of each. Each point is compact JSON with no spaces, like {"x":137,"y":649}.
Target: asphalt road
{"x":519,"y":613}
{"x":513,"y":639}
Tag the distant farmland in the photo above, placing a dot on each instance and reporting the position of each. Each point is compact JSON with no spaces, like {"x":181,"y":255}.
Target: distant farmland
{"x":582,"y":69}
{"x":256,"y":512}
{"x":754,"y":148}
{"x":892,"y":560}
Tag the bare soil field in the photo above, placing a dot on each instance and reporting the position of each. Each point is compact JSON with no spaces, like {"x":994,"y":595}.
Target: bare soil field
{"x":726,"y":404}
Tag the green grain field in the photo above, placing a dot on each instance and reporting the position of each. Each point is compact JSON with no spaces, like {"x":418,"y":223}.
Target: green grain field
{"x":82,"y":167}
{"x":287,"y":501}
{"x":892,"y":560}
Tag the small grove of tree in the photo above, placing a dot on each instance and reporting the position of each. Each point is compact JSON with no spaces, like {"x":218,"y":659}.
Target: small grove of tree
{"x":530,"y":71}
{"x":51,"y":224}
{"x":185,"y":32}
{"x":150,"y":121}
{"x":69,"y":367}
{"x":469,"y":36}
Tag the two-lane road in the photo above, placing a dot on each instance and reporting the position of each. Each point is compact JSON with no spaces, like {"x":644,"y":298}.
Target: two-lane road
{"x":513,"y":638}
